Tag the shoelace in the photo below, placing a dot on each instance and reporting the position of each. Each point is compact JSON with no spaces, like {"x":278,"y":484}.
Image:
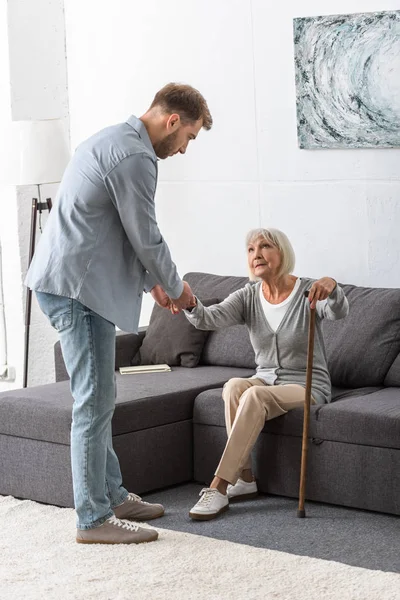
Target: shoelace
{"x":135,"y":498}
{"x":207,"y":495}
{"x":123,"y":524}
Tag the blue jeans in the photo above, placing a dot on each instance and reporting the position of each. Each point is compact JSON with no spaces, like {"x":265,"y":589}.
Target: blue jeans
{"x":88,"y":347}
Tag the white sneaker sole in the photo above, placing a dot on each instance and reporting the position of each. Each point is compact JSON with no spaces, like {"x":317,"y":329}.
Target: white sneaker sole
{"x":209,"y":516}
{"x":241,"y":497}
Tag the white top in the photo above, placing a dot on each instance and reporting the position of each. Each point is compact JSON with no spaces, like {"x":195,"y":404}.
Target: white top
{"x":274,"y":314}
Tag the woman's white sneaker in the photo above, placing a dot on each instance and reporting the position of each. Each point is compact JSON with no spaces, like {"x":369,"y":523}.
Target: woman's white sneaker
{"x":242,"y":490}
{"x":211,"y":504}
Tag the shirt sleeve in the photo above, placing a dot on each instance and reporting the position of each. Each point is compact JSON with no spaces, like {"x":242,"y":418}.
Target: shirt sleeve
{"x":335,"y":307}
{"x":132,"y":185}
{"x":227,"y":313}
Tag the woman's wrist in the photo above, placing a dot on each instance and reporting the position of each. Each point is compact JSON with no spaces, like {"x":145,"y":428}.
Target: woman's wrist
{"x":190,"y":308}
{"x":334,"y":284}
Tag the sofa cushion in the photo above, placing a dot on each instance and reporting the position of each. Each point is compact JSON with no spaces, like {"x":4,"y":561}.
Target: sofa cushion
{"x":229,"y":347}
{"x":172,"y":339}
{"x":393,"y":375}
{"x":371,"y":420}
{"x":209,"y":410}
{"x":143,"y":401}
{"x":342,"y":393}
{"x":362,"y":347}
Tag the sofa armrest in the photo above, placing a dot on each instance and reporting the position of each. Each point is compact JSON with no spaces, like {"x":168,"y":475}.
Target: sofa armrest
{"x":126,"y":346}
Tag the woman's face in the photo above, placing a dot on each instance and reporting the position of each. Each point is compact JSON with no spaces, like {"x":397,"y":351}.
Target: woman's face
{"x":264,"y":258}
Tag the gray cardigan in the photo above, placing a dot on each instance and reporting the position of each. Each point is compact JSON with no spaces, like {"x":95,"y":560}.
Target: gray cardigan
{"x":285,"y":349}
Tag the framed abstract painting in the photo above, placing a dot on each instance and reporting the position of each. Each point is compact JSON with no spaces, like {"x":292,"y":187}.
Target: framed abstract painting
{"x":347,"y":70}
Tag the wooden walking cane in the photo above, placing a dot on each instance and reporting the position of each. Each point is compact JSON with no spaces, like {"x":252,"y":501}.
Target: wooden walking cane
{"x":301,"y":513}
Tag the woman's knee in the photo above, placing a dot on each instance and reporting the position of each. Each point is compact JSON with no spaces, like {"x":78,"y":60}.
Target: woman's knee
{"x":250,"y":398}
{"x":234,"y":387}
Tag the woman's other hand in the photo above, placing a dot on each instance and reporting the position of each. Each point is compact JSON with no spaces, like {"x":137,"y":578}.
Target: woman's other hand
{"x":320,"y":290}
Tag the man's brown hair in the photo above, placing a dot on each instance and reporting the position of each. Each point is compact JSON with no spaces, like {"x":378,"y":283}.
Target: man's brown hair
{"x":184,"y":100}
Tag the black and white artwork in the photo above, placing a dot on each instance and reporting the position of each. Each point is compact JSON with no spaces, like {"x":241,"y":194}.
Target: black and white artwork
{"x":348,"y":80}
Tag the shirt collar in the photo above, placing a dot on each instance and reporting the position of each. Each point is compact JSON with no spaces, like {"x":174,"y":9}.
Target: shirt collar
{"x":139,"y":127}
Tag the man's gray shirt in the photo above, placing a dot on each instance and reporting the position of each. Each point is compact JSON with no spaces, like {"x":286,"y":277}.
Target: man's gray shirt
{"x":101,"y":244}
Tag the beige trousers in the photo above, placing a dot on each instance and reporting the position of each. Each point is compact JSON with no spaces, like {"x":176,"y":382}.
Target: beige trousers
{"x":248,"y":404}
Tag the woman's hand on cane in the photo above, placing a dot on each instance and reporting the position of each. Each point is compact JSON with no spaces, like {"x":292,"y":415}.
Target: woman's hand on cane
{"x":320,"y":290}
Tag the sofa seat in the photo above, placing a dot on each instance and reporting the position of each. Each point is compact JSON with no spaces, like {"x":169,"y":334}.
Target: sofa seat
{"x":208,"y":410}
{"x":359,"y":428}
{"x":368,"y":420}
{"x":143,"y":401}
{"x":152,"y":432}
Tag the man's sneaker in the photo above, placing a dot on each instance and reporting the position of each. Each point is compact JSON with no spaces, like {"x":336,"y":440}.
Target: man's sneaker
{"x":211,"y":504}
{"x":135,"y":509}
{"x":242,"y":490}
{"x":115,"y":531}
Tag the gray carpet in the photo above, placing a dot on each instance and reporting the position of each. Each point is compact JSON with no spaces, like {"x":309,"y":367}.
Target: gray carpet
{"x":354,"y":537}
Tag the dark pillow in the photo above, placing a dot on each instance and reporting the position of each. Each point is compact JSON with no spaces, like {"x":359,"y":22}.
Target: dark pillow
{"x":172,"y":339}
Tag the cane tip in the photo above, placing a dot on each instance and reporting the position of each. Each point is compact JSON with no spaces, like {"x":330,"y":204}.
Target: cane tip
{"x":301,"y":513}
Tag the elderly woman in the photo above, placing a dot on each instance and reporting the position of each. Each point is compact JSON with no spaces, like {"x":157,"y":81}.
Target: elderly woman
{"x":276,"y":312}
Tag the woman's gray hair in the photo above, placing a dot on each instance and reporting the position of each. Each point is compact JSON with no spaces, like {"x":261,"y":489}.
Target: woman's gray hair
{"x":280,"y":240}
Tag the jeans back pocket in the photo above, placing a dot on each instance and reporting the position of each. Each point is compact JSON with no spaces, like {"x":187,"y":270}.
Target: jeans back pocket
{"x":58,"y":309}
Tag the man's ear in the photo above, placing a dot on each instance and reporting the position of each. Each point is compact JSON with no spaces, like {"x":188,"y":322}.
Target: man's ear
{"x":173,"y":122}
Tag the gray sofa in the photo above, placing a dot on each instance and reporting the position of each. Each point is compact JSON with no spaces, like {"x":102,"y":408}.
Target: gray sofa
{"x":169,"y":428}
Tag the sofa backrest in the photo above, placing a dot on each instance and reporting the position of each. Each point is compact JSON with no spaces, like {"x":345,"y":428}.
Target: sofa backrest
{"x":229,"y":347}
{"x":362,"y":350}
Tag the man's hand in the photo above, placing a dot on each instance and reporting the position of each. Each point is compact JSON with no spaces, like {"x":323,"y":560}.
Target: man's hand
{"x":185,"y":300}
{"x":320,"y":290}
{"x":175,"y":310}
{"x":160,"y":297}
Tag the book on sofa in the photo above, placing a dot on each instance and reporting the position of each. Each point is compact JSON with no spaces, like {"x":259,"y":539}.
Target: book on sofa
{"x":144,"y":369}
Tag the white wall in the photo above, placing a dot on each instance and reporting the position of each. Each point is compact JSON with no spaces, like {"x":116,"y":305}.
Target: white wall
{"x":339,"y":207}
{"x":9,"y":222}
{"x":33,"y":69}
{"x":37,"y":59}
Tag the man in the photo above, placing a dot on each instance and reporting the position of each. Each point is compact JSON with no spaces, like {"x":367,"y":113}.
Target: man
{"x":100,"y":249}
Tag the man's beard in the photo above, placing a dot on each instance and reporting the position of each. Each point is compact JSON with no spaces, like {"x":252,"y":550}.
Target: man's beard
{"x":165,"y":148}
